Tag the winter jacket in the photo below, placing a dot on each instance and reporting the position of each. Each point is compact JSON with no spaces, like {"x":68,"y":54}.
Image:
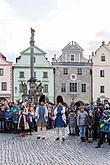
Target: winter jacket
{"x":81,"y":118}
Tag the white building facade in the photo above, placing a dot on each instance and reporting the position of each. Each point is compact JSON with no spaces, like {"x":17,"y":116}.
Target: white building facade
{"x":43,"y":72}
{"x":5,"y":79}
{"x":101,"y":72}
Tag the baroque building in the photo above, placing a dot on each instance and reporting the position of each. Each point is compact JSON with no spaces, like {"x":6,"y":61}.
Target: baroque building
{"x":43,"y":72}
{"x":72,"y":75}
{"x":5,"y":79}
{"x":101,"y":72}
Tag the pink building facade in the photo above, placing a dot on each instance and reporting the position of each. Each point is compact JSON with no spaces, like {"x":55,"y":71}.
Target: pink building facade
{"x":5,"y":79}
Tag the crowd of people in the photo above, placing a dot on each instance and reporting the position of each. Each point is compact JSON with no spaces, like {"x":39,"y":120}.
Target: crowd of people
{"x":88,"y":122}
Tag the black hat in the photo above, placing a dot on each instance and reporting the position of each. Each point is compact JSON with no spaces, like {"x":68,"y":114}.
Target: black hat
{"x":42,"y":99}
{"x":59,"y":99}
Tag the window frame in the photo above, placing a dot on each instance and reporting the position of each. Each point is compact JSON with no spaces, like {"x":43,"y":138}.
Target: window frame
{"x":65,"y":71}
{"x":101,"y":73}
{"x":1,"y":72}
{"x":44,"y":74}
{"x":102,"y":57}
{"x":45,"y":88}
{"x":20,"y":87}
{"x":79,"y":71}
{"x":102,"y":89}
{"x":21,"y":74}
{"x":63,"y":87}
{"x":72,"y":59}
{"x":83,"y":88}
{"x":2,"y":86}
{"x":73,"y":87}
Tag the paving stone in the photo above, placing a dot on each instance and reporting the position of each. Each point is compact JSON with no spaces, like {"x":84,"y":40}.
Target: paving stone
{"x":17,"y":150}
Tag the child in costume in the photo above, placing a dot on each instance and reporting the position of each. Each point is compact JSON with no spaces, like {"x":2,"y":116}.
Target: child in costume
{"x":60,"y":118}
{"x":41,"y":117}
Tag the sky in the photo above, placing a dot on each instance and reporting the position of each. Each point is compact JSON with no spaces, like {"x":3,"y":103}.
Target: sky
{"x":56,"y":23}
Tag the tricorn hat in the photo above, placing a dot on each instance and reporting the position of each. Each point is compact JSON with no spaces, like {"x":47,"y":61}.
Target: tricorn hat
{"x":42,"y":99}
{"x":59,"y":99}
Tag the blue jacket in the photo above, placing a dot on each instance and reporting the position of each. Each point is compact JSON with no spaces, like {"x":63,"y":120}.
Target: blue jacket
{"x":105,"y":124}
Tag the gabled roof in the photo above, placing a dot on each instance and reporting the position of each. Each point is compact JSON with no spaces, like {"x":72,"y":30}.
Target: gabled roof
{"x":36,"y":51}
{"x":103,"y":45}
{"x":4,"y":59}
{"x":73,"y":46}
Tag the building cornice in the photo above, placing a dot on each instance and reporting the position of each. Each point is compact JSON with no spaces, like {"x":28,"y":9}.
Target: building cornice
{"x":71,"y":64}
{"x":49,"y":67}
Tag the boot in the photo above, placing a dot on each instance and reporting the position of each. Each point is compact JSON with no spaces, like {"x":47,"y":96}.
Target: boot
{"x":83,"y":139}
{"x":57,"y":138}
{"x":98,"y":146}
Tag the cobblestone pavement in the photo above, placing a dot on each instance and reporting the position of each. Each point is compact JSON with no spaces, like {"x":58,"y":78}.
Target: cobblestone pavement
{"x":17,"y":150}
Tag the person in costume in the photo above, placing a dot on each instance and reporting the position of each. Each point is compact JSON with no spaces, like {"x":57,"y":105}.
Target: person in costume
{"x":29,"y":117}
{"x":60,"y":118}
{"x":41,"y":117}
{"x":23,"y":125}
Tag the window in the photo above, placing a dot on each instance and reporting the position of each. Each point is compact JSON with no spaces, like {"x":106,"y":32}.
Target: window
{"x":79,"y":71}
{"x":65,"y":70}
{"x":34,"y":60}
{"x":73,"y":87}
{"x":1,"y":71}
{"x":34,"y":74}
{"x":21,"y":74}
{"x":45,"y":88}
{"x":101,"y":89}
{"x":45,"y":74}
{"x":20,"y":88}
{"x":72,"y":57}
{"x":63,"y":87}
{"x":83,"y":87}
{"x":4,"y":86}
{"x":101,"y":73}
{"x":103,"y":58}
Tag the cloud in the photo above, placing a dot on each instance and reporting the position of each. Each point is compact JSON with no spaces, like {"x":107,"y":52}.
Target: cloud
{"x":103,"y":35}
{"x":83,"y":21}
{"x":32,"y":10}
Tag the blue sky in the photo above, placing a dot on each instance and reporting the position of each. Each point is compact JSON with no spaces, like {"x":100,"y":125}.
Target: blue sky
{"x":56,"y":22}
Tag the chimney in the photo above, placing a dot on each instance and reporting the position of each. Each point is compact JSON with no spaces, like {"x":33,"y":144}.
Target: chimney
{"x":103,"y":43}
{"x":54,"y":58}
{"x":92,"y":54}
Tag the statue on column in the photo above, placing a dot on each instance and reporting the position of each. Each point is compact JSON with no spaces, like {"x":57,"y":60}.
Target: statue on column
{"x":32,"y":34}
